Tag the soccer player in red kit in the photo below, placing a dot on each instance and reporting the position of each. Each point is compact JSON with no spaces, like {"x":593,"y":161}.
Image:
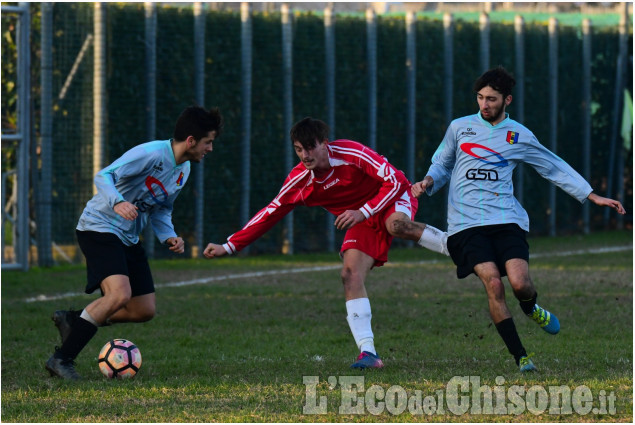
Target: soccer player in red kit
{"x":371,"y":200}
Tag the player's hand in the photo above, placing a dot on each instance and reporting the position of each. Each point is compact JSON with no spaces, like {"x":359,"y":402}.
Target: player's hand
{"x":176,"y":244}
{"x":419,"y":188}
{"x":213,"y":250}
{"x":607,"y":202}
{"x":126,"y":210}
{"x":348,"y":219}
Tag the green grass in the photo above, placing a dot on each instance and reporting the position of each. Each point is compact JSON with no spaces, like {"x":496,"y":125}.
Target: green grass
{"x":236,"y":350}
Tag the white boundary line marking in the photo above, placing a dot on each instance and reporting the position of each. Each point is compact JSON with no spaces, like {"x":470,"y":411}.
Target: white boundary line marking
{"x":206,"y":280}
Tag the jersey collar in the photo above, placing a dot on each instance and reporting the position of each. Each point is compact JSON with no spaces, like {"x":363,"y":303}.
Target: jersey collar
{"x":486,"y":123}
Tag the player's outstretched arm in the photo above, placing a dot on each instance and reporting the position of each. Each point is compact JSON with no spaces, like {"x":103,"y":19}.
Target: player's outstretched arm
{"x":606,"y":202}
{"x":213,"y":250}
{"x":176,"y":244}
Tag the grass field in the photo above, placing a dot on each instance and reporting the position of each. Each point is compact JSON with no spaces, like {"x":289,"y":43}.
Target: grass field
{"x":275,"y":347}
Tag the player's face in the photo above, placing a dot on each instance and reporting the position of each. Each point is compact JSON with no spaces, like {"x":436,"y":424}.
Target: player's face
{"x":313,"y":159}
{"x":197,"y":152}
{"x":492,"y":104}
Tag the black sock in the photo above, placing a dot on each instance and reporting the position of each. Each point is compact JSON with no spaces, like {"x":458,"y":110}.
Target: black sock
{"x":81,"y":333}
{"x":507,"y":330}
{"x":528,"y":305}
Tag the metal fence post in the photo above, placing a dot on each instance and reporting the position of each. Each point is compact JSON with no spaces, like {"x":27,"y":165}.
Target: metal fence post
{"x":24,"y":111}
{"x":199,"y":93}
{"x":411,"y":77}
{"x":448,"y":81}
{"x":448,"y":64}
{"x":371,"y":42}
{"x":329,"y":39}
{"x":484,"y":26}
{"x":519,"y":101}
{"x":586,"y":114}
{"x":246,"y":54}
{"x":553,"y":113}
{"x":99,"y":89}
{"x":617,"y":109}
{"x":44,"y":231}
{"x":621,"y":151}
{"x":287,"y":69}
{"x":151,"y":96}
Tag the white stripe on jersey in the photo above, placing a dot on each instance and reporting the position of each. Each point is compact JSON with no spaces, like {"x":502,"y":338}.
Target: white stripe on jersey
{"x":377,"y":165}
{"x":390,"y":196}
{"x":257,"y":217}
{"x":288,"y":186}
{"x":358,"y":153}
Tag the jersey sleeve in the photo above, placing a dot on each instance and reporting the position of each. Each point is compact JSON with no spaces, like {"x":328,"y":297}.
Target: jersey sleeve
{"x":133,"y":162}
{"x":393,"y":182}
{"x":443,"y":162}
{"x":266,"y":218}
{"x":161,"y":221}
{"x":556,"y":170}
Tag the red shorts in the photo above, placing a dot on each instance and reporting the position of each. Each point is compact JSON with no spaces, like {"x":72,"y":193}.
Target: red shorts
{"x":371,"y":237}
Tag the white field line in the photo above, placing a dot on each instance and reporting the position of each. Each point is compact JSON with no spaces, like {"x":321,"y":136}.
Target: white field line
{"x":226,"y":277}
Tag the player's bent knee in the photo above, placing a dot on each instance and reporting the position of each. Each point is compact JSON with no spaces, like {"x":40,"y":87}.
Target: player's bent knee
{"x":495,"y":289}
{"x":522,"y":285}
{"x":349,"y":276}
{"x":117,"y":300}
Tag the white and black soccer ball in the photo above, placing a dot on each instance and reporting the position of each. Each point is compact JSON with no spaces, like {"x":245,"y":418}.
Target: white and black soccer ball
{"x":119,"y":358}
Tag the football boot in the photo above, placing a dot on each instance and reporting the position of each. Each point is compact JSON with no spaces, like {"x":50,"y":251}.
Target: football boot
{"x":547,"y":321}
{"x":367,"y":360}
{"x":526,"y":365}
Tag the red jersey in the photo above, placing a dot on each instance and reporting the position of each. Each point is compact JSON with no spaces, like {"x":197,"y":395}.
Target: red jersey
{"x":359,"y":179}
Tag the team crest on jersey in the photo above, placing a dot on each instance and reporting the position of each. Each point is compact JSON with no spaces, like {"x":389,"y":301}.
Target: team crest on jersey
{"x":512,"y":137}
{"x":179,"y":181}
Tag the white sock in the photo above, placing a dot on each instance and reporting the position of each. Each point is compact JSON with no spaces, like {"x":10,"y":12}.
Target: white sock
{"x":87,"y":317}
{"x":434,"y":239}
{"x":358,"y":318}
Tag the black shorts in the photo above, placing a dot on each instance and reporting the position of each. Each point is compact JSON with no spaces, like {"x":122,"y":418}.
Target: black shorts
{"x":497,"y":243}
{"x":106,"y":256}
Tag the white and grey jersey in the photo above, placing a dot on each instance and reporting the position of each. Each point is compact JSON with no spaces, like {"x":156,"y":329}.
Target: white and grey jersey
{"x":478,"y":160}
{"x":146,"y":176}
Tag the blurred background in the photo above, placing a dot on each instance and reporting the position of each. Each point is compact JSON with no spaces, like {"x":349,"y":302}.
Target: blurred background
{"x":84,"y":82}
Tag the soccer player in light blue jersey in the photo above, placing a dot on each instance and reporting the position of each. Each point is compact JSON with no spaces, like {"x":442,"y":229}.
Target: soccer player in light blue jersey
{"x":138,"y":187}
{"x":487,"y":226}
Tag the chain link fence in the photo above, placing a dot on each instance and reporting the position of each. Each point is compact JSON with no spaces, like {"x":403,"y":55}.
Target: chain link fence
{"x":126,"y":106}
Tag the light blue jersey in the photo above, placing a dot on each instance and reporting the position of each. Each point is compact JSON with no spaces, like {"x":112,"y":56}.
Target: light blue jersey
{"x":478,"y":160}
{"x":148,"y":177}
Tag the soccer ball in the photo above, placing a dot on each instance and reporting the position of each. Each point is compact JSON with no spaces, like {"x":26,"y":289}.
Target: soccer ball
{"x":119,"y":358}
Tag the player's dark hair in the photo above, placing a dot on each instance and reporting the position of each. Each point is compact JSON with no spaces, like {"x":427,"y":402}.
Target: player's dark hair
{"x":197,"y":122}
{"x":497,"y":78}
{"x":309,"y":132}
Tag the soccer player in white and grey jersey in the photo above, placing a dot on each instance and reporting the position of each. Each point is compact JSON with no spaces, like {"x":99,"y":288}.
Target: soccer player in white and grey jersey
{"x":487,"y":226}
{"x":138,"y":187}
